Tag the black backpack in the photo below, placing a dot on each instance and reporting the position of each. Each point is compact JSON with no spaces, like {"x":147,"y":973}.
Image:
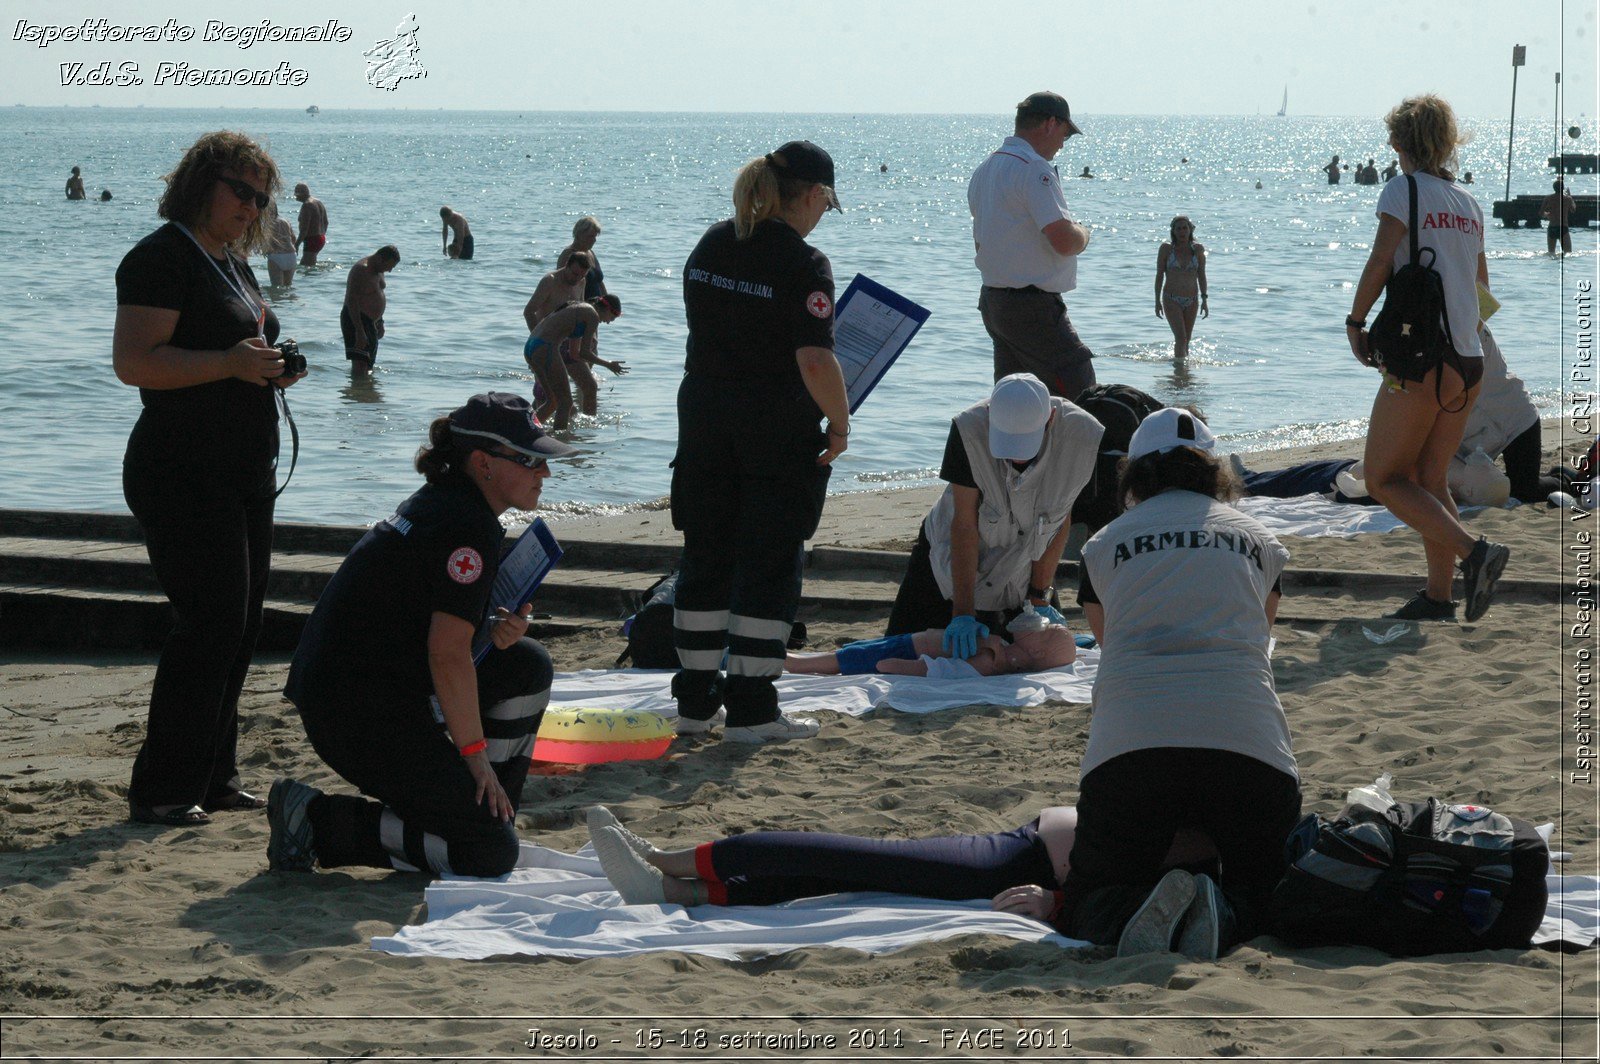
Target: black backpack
{"x":649,"y":631}
{"x":1423,"y":877}
{"x":1411,"y":334}
{"x":1120,"y":408}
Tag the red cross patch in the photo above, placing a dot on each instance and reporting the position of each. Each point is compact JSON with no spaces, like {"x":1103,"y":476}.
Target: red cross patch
{"x":819,"y":304}
{"x":1044,"y":179}
{"x":465,"y":565}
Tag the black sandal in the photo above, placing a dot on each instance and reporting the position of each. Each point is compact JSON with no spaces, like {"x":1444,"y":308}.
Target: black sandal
{"x":176,"y":816}
{"x":235,"y":800}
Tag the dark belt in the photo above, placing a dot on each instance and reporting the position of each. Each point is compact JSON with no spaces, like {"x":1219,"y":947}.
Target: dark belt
{"x":1024,"y":288}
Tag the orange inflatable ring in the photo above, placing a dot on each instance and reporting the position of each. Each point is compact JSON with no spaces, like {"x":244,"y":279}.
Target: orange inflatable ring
{"x":595,"y":736}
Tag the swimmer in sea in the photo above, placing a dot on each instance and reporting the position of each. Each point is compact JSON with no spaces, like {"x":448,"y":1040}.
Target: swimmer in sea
{"x":1181,"y":270}
{"x":313,"y":234}
{"x":455,"y":234}
{"x":75,"y":185}
{"x":361,"y":318}
{"x":576,"y":321}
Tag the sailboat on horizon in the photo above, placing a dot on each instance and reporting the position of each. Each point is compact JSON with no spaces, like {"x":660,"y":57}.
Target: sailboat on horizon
{"x":1283,"y":108}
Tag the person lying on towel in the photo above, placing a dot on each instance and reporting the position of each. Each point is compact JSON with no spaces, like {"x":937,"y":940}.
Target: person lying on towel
{"x":1039,"y":647}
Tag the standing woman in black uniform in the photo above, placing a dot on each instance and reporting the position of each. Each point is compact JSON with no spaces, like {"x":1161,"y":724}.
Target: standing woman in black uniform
{"x":753,"y":460}
{"x":194,"y":336}
{"x":384,"y":677}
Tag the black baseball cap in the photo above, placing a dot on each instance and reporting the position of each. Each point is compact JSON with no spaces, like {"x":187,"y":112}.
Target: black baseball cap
{"x":804,"y":161}
{"x":505,"y":419}
{"x":1050,"y":105}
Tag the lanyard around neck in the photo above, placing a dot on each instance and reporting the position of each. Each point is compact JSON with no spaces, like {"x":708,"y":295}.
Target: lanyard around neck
{"x":257,"y":305}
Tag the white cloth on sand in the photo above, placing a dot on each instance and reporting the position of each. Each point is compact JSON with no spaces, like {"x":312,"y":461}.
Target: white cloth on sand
{"x":561,"y":905}
{"x":649,"y":690}
{"x":1317,"y":515}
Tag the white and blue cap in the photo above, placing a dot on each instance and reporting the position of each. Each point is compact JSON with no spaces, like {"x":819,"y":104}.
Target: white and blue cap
{"x":1168,"y":429}
{"x":505,"y":419}
{"x":1019,"y":409}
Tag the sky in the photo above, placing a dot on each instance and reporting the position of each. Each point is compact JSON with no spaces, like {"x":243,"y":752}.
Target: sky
{"x":842,"y":56}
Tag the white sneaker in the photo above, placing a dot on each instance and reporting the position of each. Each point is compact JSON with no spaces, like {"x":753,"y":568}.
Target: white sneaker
{"x":1153,"y":927}
{"x":598,"y":817}
{"x":777,"y":731}
{"x":637,"y":880}
{"x":690,"y":726}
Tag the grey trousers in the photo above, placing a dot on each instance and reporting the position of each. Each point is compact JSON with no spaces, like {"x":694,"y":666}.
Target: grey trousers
{"x":1032,"y":334}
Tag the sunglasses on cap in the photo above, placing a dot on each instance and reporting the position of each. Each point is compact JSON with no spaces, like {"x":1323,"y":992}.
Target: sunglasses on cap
{"x":247,"y":192}
{"x":526,"y":461}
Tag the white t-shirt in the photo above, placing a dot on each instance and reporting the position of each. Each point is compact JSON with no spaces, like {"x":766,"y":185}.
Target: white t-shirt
{"x":1013,"y":195}
{"x":1450,"y":222}
{"x":1183,"y":580}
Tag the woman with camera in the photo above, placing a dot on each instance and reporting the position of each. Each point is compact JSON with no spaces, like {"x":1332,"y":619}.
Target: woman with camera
{"x":194,"y":335}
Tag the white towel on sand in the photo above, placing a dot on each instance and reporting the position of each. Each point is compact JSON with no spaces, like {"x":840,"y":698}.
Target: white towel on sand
{"x":561,"y":905}
{"x":649,"y":690}
{"x":1318,"y":515}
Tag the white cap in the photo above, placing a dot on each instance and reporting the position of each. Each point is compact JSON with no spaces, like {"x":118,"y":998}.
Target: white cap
{"x":1167,"y":429}
{"x":1019,"y":409}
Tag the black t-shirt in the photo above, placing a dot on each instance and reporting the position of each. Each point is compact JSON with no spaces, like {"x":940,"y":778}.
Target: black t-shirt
{"x":753,"y":303}
{"x":367,"y":641}
{"x":222,"y":421}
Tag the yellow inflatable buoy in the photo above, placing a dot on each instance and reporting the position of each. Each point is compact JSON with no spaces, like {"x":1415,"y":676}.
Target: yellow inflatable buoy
{"x":595,"y":736}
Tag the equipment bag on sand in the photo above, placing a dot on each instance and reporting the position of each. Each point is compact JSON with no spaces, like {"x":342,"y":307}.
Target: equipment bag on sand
{"x":1419,"y":877}
{"x":649,"y":631}
{"x":1120,"y":408}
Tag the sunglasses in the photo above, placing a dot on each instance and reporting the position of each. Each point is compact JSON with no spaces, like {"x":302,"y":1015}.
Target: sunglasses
{"x":526,"y":461}
{"x":246,"y":192}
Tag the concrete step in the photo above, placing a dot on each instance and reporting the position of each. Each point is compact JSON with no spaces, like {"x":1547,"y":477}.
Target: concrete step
{"x":78,"y":618}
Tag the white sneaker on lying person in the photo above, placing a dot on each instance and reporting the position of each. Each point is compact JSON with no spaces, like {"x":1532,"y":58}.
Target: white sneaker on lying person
{"x":774,"y":731}
{"x":599,"y":817}
{"x":635,"y":879}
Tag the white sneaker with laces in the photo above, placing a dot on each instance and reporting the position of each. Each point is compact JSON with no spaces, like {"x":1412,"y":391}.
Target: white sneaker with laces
{"x":777,"y":731}
{"x":691,"y":726}
{"x":598,"y":817}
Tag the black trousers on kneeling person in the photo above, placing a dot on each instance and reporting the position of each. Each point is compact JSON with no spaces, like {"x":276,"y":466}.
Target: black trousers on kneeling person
{"x":920,"y":605}
{"x":423,"y":812}
{"x":1129,"y":809}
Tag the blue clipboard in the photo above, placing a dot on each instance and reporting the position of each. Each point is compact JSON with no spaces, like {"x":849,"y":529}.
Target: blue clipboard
{"x":869,"y":338}
{"x":522,"y":569}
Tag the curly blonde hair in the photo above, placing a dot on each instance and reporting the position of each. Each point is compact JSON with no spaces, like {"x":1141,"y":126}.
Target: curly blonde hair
{"x":1424,"y":127}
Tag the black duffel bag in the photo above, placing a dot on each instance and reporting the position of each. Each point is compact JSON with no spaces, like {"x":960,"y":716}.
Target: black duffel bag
{"x":1421,"y":877}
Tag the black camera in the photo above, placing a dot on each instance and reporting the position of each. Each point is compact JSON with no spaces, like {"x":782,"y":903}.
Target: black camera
{"x":294,"y":363}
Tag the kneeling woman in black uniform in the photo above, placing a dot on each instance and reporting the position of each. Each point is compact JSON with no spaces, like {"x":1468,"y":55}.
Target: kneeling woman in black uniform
{"x":752,"y":463}
{"x":384,"y":678}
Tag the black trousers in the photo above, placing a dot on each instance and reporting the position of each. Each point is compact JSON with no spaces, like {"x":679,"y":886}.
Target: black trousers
{"x":746,"y":494}
{"x":768,"y":867}
{"x":1129,"y":809}
{"x":920,"y":605}
{"x":210,"y":543}
{"x":425,"y":814}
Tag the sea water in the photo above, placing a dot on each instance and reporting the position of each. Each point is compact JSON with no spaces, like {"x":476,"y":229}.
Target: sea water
{"x":1270,"y":367}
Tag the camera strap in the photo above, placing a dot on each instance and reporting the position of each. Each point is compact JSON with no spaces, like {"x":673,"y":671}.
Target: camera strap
{"x":258,"y":305}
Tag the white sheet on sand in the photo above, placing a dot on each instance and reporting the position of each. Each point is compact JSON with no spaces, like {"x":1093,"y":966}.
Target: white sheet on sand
{"x":649,"y":690}
{"x":561,"y":905}
{"x":1318,"y":515}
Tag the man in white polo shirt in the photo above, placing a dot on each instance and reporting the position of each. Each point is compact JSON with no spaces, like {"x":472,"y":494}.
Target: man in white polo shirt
{"x":1028,"y":248}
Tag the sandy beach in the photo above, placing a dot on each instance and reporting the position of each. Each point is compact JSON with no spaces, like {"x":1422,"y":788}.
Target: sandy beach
{"x":124,"y":941}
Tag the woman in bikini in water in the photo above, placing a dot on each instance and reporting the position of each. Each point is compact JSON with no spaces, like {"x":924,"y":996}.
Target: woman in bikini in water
{"x":1181,"y":268}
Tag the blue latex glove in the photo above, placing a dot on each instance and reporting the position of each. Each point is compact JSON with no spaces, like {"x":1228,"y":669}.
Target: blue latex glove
{"x":1051,"y":614}
{"x":961,"y":636}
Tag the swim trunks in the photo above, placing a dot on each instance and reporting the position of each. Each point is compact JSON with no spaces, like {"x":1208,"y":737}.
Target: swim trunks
{"x":316,"y":243}
{"x":1558,"y":231}
{"x":283,"y":260}
{"x":360,"y":336}
{"x":466,"y":247}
